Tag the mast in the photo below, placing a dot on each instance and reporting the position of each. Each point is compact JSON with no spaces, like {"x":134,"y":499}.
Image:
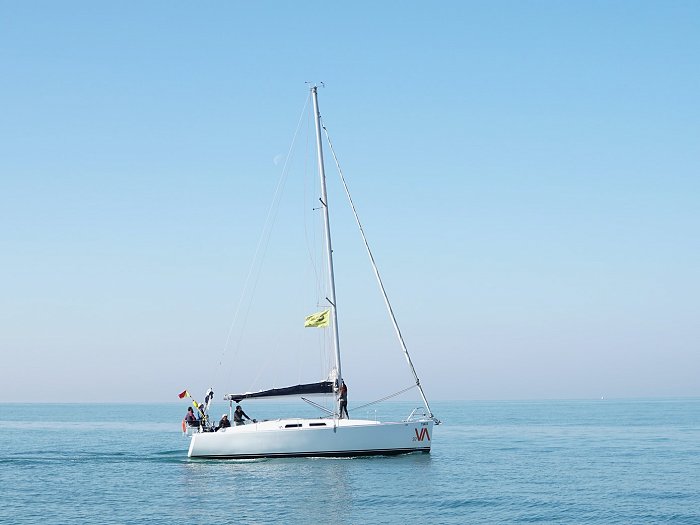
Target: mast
{"x":326,"y":222}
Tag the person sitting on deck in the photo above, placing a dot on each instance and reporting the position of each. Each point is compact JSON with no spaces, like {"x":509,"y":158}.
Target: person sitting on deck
{"x":190,"y":418}
{"x":224,"y":423}
{"x":238,"y":416}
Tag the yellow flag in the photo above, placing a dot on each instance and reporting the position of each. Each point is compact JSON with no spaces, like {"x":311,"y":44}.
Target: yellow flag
{"x":319,"y":319}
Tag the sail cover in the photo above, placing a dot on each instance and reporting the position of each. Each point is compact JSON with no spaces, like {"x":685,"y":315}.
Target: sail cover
{"x":324,"y":387}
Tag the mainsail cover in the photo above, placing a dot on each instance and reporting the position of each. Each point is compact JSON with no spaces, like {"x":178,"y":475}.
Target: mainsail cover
{"x":324,"y":387}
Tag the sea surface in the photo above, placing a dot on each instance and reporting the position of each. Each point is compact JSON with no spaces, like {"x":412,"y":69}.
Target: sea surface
{"x":578,"y":462}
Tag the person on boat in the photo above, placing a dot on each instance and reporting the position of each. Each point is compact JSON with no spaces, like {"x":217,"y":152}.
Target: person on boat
{"x":344,"y":400}
{"x":190,"y":418}
{"x":224,"y":423}
{"x":238,"y":416}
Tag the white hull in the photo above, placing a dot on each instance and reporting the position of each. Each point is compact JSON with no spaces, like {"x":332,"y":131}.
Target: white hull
{"x":313,"y":438}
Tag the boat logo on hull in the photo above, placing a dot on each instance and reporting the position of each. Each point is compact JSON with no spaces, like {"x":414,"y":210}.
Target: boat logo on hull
{"x":421,"y":435}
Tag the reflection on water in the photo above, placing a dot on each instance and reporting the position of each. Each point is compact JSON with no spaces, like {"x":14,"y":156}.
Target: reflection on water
{"x":304,"y":487}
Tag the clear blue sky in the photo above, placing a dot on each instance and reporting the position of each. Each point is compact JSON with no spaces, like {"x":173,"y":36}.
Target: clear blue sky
{"x":527,"y":172}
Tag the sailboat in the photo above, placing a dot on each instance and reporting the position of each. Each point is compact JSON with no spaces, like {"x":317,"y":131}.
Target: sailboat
{"x":330,"y":435}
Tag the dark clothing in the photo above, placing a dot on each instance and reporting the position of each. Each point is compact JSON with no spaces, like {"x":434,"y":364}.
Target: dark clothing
{"x":224,"y":423}
{"x":344,"y":401}
{"x":191,"y":420}
{"x":238,"y":416}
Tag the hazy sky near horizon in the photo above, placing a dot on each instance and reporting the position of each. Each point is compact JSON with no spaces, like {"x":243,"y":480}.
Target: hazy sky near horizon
{"x":528,"y":174}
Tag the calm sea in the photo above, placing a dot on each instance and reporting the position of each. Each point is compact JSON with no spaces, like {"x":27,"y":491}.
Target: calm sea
{"x":597,"y":462}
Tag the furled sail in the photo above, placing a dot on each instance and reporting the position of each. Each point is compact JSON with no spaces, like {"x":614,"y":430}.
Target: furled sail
{"x":324,"y":387}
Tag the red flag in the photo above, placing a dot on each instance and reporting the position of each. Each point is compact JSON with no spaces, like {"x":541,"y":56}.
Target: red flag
{"x":184,"y":393}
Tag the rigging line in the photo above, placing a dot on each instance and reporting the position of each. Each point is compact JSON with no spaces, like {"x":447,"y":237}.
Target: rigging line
{"x":274,"y":209}
{"x":310,"y":244}
{"x":320,"y":407}
{"x":385,"y":398}
{"x":379,"y":279}
{"x":265,"y":233}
